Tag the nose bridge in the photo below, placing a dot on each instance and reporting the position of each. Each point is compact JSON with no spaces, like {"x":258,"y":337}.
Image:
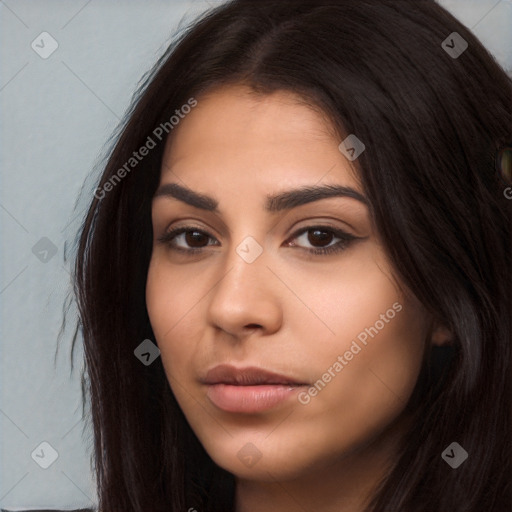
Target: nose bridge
{"x":246,"y":269}
{"x":246,"y":294}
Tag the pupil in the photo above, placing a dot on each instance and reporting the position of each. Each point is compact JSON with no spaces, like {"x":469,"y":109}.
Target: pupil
{"x":326,"y":237}
{"x":193,"y":237}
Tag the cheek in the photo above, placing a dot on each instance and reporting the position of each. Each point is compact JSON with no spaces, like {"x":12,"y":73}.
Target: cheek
{"x":378,"y":333}
{"x":381,"y":360}
{"x":170,"y":299}
{"x":373,"y":387}
{"x":336,"y":304}
{"x":380,"y":336}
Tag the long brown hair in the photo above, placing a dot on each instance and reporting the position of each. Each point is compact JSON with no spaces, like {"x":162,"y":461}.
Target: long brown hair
{"x":431,"y":123}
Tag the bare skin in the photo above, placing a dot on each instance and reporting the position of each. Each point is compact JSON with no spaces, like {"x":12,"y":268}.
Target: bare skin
{"x":289,"y":311}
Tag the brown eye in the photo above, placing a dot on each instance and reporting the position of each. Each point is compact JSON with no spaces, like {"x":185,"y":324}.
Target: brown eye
{"x":196,"y":238}
{"x":186,"y":239}
{"x":321,"y":238}
{"x":191,"y":240}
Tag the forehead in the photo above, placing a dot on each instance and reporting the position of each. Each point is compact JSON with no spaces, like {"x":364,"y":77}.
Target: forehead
{"x":235,"y":130}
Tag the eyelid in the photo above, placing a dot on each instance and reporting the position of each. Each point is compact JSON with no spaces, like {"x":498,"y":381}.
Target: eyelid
{"x":319,"y":222}
{"x":345,"y":239}
{"x":319,"y":226}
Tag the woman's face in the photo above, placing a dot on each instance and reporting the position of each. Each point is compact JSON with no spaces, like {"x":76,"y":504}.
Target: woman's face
{"x":245,"y":285}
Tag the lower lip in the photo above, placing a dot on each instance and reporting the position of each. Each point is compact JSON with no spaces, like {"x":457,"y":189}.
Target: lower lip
{"x":249,"y":399}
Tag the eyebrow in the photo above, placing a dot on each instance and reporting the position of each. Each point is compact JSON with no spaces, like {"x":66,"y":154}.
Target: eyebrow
{"x":274,"y":203}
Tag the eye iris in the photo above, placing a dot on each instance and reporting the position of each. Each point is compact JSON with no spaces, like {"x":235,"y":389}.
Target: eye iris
{"x":195,"y":237}
{"x":321,"y":236}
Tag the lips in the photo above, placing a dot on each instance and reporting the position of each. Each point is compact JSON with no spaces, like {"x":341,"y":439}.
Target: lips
{"x":249,"y":376}
{"x":248,"y":390}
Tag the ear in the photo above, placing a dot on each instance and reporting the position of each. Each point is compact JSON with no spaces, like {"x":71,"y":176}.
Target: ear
{"x":441,"y":335}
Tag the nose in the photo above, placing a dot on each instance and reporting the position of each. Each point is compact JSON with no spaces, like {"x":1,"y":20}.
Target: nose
{"x":247,"y":296}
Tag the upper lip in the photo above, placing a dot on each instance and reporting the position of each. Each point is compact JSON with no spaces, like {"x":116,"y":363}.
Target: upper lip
{"x":247,"y":376}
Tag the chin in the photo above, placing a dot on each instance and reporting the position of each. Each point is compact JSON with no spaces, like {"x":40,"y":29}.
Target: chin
{"x":262,"y":458}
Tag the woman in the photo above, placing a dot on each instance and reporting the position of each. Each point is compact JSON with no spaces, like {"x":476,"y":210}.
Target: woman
{"x":294,"y":278}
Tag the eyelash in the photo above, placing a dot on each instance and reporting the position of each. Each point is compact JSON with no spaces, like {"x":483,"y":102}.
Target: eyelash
{"x":345,"y":239}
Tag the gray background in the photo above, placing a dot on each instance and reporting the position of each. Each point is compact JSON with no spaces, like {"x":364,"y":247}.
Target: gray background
{"x":57,"y":115}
